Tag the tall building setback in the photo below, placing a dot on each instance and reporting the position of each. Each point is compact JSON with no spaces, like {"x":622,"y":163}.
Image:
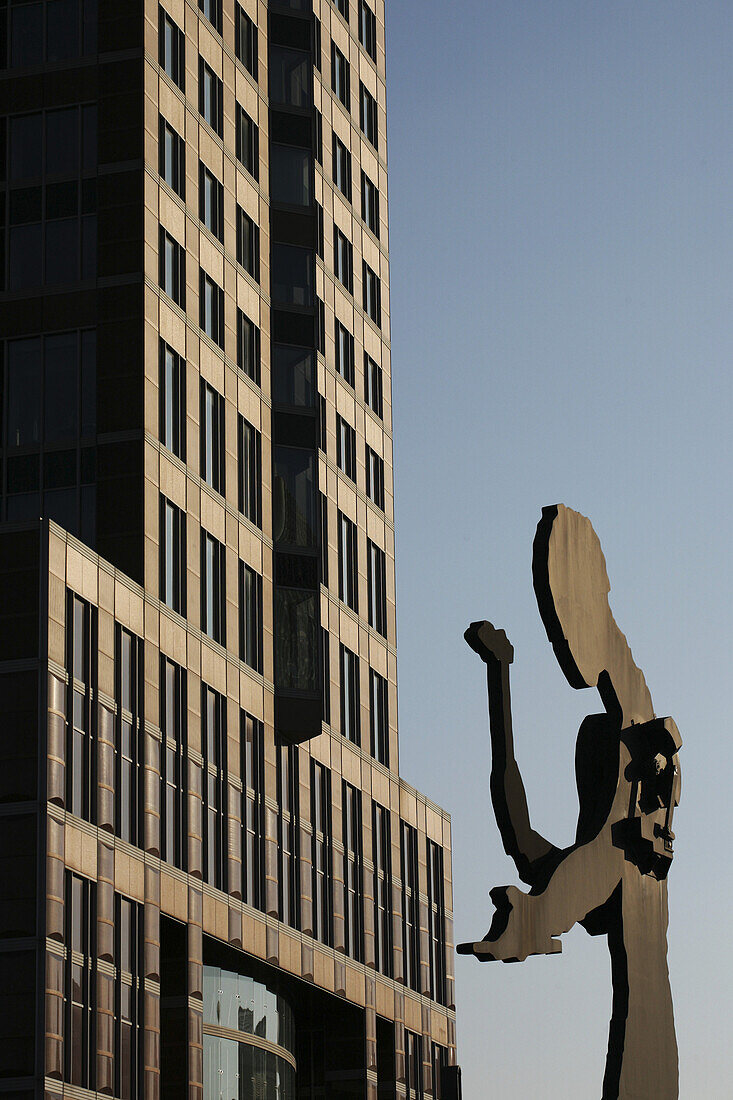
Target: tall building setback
{"x":214,"y":883}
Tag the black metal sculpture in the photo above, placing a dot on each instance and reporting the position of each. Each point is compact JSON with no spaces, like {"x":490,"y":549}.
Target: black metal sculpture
{"x":612,"y":880}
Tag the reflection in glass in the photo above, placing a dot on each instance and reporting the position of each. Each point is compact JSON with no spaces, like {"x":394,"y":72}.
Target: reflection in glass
{"x":293,"y":273}
{"x":294,"y":518}
{"x":297,"y":631}
{"x":60,"y":393}
{"x":293,"y":376}
{"x":24,"y":392}
{"x":289,"y":76}
{"x":290,"y":175}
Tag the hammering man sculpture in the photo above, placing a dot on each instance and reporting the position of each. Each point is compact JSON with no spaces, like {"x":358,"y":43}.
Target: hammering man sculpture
{"x":613,"y":879}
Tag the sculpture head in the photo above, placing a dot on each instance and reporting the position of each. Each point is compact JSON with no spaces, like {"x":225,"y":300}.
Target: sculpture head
{"x":572,"y":586}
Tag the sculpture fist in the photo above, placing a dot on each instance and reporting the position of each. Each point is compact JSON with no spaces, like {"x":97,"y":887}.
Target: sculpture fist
{"x":489,"y":642}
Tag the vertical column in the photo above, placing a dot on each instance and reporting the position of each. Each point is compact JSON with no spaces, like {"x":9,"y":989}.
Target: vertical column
{"x":195,"y":893}
{"x":54,"y":969}
{"x":105,"y":964}
{"x":427,"y":1051}
{"x":369,"y":875}
{"x":370,"y":1024}
{"x":151,"y":834}
{"x":422,"y":880}
{"x":399,"y":1041}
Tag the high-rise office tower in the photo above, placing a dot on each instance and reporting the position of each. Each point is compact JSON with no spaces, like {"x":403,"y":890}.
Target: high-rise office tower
{"x":213,"y":882}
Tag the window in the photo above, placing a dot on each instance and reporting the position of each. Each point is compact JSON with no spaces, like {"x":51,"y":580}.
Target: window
{"x":353,"y":872}
{"x":288,"y":868}
{"x":248,"y":143}
{"x":212,"y":11}
{"x":211,"y":308}
{"x":322,"y":424}
{"x":172,"y":268}
{"x":348,"y":574}
{"x":172,"y":556}
{"x":321,"y":854}
{"x":342,"y":167}
{"x":439,"y":1061}
{"x":410,"y":900}
{"x":248,"y":244}
{"x":436,"y":922}
{"x":129,"y":736}
{"x":213,"y":591}
{"x":344,"y":353}
{"x":293,"y":275}
{"x":70,"y":31}
{"x":372,"y":294}
{"x":295,"y":508}
{"x":368,"y":29}
{"x":317,"y":43}
{"x":321,"y":324}
{"x":319,"y":251}
{"x":318,"y":135}
{"x":290,"y":77}
{"x":173,"y":771}
{"x":379,"y":717}
{"x":345,"y":448}
{"x":413,"y":1067}
{"x":248,"y":347}
{"x":326,"y":675}
{"x":373,"y":385}
{"x":250,"y":472}
{"x":342,"y":7}
{"x":213,"y":451}
{"x":172,"y":49}
{"x":382,"y":856}
{"x":340,"y":75}
{"x":377,"y":588}
{"x":172,"y":401}
{"x":343,"y":261}
{"x":350,"y":710}
{"x":129,"y":1012}
{"x":213,"y":744}
{"x":368,"y":115}
{"x":211,"y":202}
{"x":211,"y":98}
{"x":80,"y":664}
{"x":245,"y":40}
{"x":290,"y":175}
{"x":375,"y":477}
{"x":251,"y":737}
{"x":250,"y":617}
{"x":370,"y":204}
{"x":80,"y":1054}
{"x":172,"y":157}
{"x":324,"y":538}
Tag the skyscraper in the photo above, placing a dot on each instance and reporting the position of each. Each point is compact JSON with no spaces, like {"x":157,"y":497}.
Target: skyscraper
{"x":214,"y":883}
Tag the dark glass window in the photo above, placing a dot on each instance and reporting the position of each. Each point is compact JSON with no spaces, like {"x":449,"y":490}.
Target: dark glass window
{"x":410,"y":904}
{"x":377,"y":588}
{"x":248,"y":244}
{"x":172,"y":556}
{"x":294,"y":508}
{"x":373,"y":385}
{"x":343,"y":260}
{"x":319,"y":251}
{"x":324,"y":538}
{"x":213,"y":449}
{"x":172,"y":268}
{"x":368,"y":29}
{"x":321,"y":853}
{"x":253,"y":810}
{"x":212,"y":11}
{"x":211,"y":202}
{"x":248,"y":143}
{"x":317,"y":43}
{"x":293,"y":275}
{"x":172,"y":401}
{"x":245,"y":40}
{"x":370,"y":204}
{"x":129,"y":721}
{"x":81,"y":667}
{"x":174,"y":760}
{"x":318,"y":135}
{"x":436,"y":922}
{"x":322,"y":424}
{"x":344,"y":353}
{"x":297,"y":664}
{"x":350,"y":707}
{"x":368,"y":115}
{"x":342,"y":167}
{"x":211,"y":308}
{"x":340,"y":76}
{"x":129,"y":1008}
{"x":214,"y":745}
{"x":326,"y":674}
{"x":375,"y":477}
{"x":290,"y":175}
{"x":372,"y":294}
{"x":413,"y":1067}
{"x":439,"y":1059}
{"x":172,"y":49}
{"x":382,"y":856}
{"x":24,"y":410}
{"x":80,"y":977}
{"x":248,"y":347}
{"x":342,"y":6}
{"x":293,"y":376}
{"x":345,"y":448}
{"x":213,"y":587}
{"x":250,"y":617}
{"x":379,"y":717}
{"x":250,"y":472}
{"x":26,"y":34}
{"x":348,"y":570}
{"x":353,"y":872}
{"x":25,"y":160}
{"x":288,"y":864}
{"x":211,"y":98}
{"x":290,"y":77}
{"x":172,"y":157}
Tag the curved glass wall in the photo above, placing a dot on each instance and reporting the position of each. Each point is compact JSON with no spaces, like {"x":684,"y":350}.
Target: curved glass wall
{"x":249,"y":1039}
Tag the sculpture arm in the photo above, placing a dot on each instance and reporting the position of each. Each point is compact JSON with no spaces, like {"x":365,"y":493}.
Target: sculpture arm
{"x":528,"y":848}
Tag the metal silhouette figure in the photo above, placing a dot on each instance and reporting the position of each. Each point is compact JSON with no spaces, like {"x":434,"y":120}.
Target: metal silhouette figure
{"x":613,"y":879}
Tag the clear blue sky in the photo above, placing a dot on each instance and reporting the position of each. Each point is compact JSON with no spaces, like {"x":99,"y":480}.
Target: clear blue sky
{"x":562,"y":284}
